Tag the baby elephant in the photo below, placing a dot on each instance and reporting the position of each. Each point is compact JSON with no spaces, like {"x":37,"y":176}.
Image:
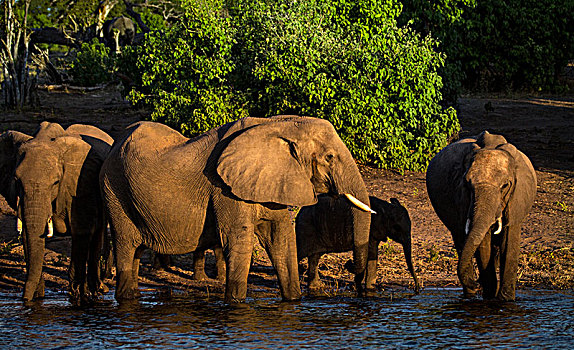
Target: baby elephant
{"x":326,"y":227}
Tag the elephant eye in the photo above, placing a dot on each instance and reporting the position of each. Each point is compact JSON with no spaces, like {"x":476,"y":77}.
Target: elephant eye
{"x":329,"y":157}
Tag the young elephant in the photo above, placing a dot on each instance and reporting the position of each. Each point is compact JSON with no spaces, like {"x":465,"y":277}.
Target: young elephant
{"x":56,"y":185}
{"x":482,"y":188}
{"x":326,"y":228}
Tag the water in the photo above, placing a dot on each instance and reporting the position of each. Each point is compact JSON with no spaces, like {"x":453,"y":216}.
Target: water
{"x":437,"y":318}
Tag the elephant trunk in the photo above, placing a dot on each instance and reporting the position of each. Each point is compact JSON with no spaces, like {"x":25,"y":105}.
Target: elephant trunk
{"x":34,"y":217}
{"x":407,"y":249}
{"x":484,"y":214}
{"x":352,"y":184}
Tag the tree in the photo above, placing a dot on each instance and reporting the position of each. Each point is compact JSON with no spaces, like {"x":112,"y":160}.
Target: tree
{"x":17,"y":82}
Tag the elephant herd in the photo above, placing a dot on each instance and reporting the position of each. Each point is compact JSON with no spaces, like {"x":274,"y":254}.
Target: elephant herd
{"x":159,"y":190}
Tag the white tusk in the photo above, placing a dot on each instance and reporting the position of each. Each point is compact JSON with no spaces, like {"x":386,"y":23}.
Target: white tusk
{"x":19,"y":226}
{"x":359,"y":204}
{"x":499,"y":222}
{"x":467,"y":227}
{"x":50,"y":228}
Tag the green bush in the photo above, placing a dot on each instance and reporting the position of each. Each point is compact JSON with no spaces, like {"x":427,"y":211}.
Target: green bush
{"x":93,"y":64}
{"x":345,"y":61}
{"x":494,"y":45}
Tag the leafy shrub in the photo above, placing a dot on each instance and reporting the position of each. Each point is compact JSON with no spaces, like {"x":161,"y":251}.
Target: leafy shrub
{"x":494,"y":45}
{"x":93,"y":64}
{"x":345,"y":61}
{"x":186,"y":71}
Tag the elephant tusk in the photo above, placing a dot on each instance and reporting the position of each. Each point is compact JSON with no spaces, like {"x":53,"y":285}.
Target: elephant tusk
{"x":499,"y":222}
{"x":359,"y":204}
{"x":19,"y":226}
{"x":467,"y":226}
{"x":50,"y":228}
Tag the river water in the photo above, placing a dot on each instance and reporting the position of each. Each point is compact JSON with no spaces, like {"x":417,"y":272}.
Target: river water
{"x":437,"y":318}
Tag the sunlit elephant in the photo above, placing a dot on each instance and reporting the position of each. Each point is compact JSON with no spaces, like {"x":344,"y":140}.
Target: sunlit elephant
{"x":118,"y":32}
{"x":176,"y":195}
{"x":326,"y":227}
{"x":56,"y":186}
{"x":482,"y":188}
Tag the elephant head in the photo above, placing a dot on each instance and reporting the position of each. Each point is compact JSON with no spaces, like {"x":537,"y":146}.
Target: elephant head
{"x":46,"y":176}
{"x":289,"y":160}
{"x":392,"y":220}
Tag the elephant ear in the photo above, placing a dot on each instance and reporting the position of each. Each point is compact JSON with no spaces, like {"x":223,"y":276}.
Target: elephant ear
{"x":262,"y":165}
{"x":488,"y":140}
{"x":73,"y":156}
{"x":48,"y":130}
{"x":524,"y":186}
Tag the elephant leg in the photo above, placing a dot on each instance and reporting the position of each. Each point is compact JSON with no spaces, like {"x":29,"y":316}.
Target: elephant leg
{"x":95,"y":283}
{"x":220,"y":263}
{"x":77,"y":270}
{"x":126,"y":285}
{"x":136,"y":266}
{"x":199,"y":266}
{"x":509,"y":254}
{"x":372,"y":265}
{"x":313,"y":278}
{"x":487,"y":268}
{"x":237,"y":247}
{"x":282,"y":250}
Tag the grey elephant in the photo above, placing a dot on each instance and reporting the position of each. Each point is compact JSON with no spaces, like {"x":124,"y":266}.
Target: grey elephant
{"x":56,"y":189}
{"x":325,"y":228}
{"x":118,"y":32}
{"x":482,"y":188}
{"x":176,"y":195}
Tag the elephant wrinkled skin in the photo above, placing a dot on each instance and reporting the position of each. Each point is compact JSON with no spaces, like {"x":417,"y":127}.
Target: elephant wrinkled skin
{"x":176,"y":195}
{"x":326,"y":228}
{"x":482,"y":188}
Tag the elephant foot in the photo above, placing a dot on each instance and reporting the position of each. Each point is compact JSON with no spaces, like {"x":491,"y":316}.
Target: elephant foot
{"x":469,"y":293}
{"x":103,"y":288}
{"x":316,"y":284}
{"x":505,"y":297}
{"x":199,"y":276}
{"x":128,"y":295}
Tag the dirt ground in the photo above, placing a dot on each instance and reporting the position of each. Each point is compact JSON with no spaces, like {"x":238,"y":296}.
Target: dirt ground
{"x":542,"y":127}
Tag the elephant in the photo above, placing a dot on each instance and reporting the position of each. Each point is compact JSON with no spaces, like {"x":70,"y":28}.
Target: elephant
{"x":324,"y":228}
{"x":124,"y":29}
{"x":482,"y":188}
{"x":177,"y":195}
{"x":56,"y":187}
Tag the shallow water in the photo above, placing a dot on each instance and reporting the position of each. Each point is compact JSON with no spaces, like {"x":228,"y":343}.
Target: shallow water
{"x":438,"y":318}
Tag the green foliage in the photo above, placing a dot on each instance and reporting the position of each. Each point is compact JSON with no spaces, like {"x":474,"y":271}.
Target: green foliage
{"x":345,"y":61}
{"x":517,"y":44}
{"x":93,"y":65}
{"x":494,"y":45}
{"x":186,"y":72}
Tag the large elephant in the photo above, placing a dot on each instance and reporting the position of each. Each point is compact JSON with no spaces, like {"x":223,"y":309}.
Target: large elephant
{"x":176,"y":195}
{"x":482,"y":188}
{"x":56,"y":185}
{"x":326,"y":228}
